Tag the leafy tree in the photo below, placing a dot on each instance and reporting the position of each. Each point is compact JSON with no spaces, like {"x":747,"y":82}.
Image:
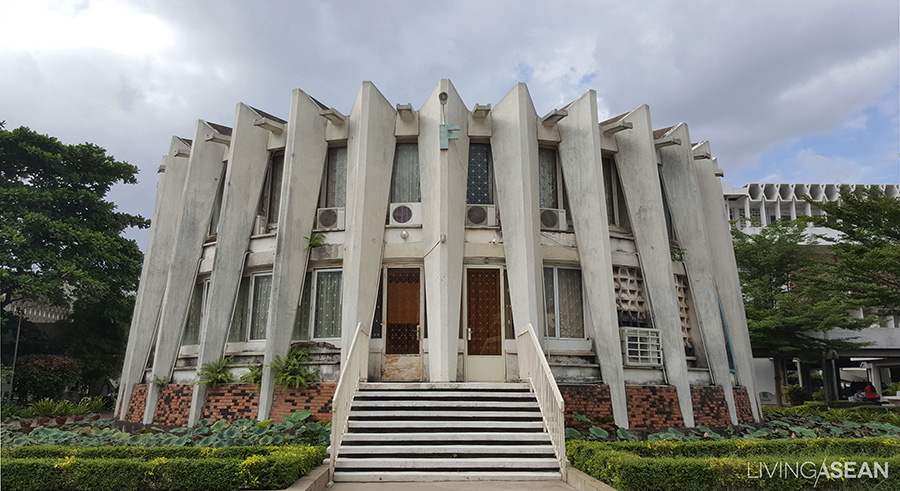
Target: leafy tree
{"x":787,"y":297}
{"x":867,"y":249}
{"x":61,"y":244}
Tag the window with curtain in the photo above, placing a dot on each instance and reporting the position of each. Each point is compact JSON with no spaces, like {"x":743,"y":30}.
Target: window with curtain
{"x":270,"y":200}
{"x":480,"y":177}
{"x":251,"y":309}
{"x":195,"y":312}
{"x":548,"y":178}
{"x":259,"y":313}
{"x":327,"y":308}
{"x":563,"y":303}
{"x":405,"y":187}
{"x":616,"y":211}
{"x":237,"y":333}
{"x":301,"y":320}
{"x":336,"y":178}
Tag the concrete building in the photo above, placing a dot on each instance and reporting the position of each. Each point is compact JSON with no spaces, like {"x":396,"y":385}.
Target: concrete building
{"x":442,"y":233}
{"x":756,"y":205}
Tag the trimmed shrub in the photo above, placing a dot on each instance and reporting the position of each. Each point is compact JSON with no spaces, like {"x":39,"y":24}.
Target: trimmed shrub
{"x":43,"y":376}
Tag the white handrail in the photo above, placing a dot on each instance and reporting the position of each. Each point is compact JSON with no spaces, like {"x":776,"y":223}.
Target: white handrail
{"x":533,"y":366}
{"x":356,"y":367}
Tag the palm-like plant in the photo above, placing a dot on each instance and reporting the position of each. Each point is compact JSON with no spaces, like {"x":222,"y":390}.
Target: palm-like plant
{"x":215,"y":372}
{"x":292,"y":371}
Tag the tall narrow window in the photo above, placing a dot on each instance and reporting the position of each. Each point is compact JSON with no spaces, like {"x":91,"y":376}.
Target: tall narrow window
{"x":405,"y":187}
{"x":237,"y":333}
{"x":548,"y":178}
{"x":217,"y":207}
{"x":327,"y":308}
{"x":616,"y":211}
{"x":335,"y":193}
{"x":563,"y":303}
{"x":301,"y":320}
{"x":259,"y":314}
{"x":195,"y":313}
{"x":270,"y":200}
{"x":670,"y":230}
{"x":480,"y":177}
{"x":251,"y":309}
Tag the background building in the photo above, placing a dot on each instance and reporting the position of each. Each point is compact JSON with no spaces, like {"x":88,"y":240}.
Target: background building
{"x":444,"y":231}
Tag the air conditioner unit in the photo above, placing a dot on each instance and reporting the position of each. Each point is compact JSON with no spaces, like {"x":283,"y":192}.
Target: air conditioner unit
{"x":481,"y":216}
{"x":329,"y":219}
{"x":405,"y":215}
{"x":552,"y":219}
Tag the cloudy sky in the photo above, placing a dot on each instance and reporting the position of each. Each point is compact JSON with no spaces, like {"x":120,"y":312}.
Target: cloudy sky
{"x":799,"y":91}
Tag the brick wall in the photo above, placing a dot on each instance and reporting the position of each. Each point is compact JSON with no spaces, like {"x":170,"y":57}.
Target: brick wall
{"x":588,"y":400}
{"x":710,"y":408}
{"x":316,"y":398}
{"x":653,"y":407}
{"x":174,"y":405}
{"x":742,"y":404}
{"x":231,"y":402}
{"x":135,"y":412}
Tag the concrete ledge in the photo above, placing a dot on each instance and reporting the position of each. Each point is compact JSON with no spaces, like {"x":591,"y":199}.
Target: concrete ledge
{"x":583,"y":482}
{"x":316,"y":480}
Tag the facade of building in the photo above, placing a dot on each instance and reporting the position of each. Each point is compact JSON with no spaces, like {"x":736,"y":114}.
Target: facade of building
{"x":756,"y":205}
{"x":443,"y":232}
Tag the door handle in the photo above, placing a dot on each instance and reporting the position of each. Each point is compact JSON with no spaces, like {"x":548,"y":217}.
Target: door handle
{"x":419,"y":331}
{"x":469,"y":334}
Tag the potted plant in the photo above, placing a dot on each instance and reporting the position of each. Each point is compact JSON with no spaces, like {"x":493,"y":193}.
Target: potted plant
{"x":95,"y":405}
{"x":44,"y":409}
{"x":63,"y":410}
{"x":79,"y":411}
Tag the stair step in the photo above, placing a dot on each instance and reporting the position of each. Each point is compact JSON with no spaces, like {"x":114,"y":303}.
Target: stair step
{"x":441,"y":394}
{"x":448,"y":464}
{"x":467,"y":415}
{"x":455,"y":437}
{"x":466,"y":404}
{"x":428,"y":424}
{"x":518,"y":386}
{"x":420,"y":476}
{"x":363,"y":450}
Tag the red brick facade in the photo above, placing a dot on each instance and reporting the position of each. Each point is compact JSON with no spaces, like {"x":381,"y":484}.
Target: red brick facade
{"x":742,"y":404}
{"x":316,"y":398}
{"x":231,"y":402}
{"x":653,"y":407}
{"x":588,"y":400}
{"x":710,"y":408}
{"x":135,"y":413}
{"x":174,"y":405}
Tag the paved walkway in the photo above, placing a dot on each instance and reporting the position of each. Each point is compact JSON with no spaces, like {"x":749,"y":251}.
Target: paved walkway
{"x":454,"y":486}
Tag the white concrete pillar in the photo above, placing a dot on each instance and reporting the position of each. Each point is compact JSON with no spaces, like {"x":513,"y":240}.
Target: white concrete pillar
{"x":639,"y":174}
{"x":515,"y":152}
{"x":153,"y":272}
{"x":304,"y":161}
{"x":246,"y":171}
{"x":443,"y":180}
{"x":683,"y":193}
{"x":582,"y":166}
{"x":370,"y":159}
{"x":725,"y":271}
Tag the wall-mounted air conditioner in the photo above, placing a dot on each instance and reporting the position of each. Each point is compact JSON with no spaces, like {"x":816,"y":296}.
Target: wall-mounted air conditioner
{"x":405,"y":215}
{"x":552,"y":219}
{"x":481,"y":216}
{"x":329,"y":219}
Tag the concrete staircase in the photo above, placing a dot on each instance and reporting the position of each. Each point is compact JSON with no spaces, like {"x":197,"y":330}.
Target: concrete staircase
{"x":445,"y":432}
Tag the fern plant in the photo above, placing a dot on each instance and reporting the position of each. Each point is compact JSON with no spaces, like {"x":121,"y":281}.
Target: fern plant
{"x":215,"y":372}
{"x":292,"y":371}
{"x":314,"y":240}
{"x":254,"y":376}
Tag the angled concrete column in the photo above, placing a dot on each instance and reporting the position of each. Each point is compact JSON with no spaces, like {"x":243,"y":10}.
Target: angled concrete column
{"x":579,"y":154}
{"x":643,"y":196}
{"x":304,"y":161}
{"x":683,"y":192}
{"x":154,"y":270}
{"x":244,"y":178}
{"x":444,"y":206}
{"x":204,"y":173}
{"x":725,"y":269}
{"x":370,"y":159}
{"x":515,"y":151}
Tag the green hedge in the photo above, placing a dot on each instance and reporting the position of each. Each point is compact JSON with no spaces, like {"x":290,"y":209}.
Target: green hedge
{"x":729,"y":464}
{"x":118,"y":468}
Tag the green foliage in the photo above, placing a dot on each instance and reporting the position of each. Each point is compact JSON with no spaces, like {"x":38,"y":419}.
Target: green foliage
{"x":6,"y":374}
{"x":43,"y":376}
{"x":254,"y":376}
{"x":292,"y":371}
{"x":215,"y":372}
{"x":160,"y":380}
{"x":314,"y":240}
{"x":867,"y":249}
{"x":163,"y":468}
{"x":61,"y":244}
{"x":44,"y":408}
{"x":796,"y":394}
{"x":711,"y":465}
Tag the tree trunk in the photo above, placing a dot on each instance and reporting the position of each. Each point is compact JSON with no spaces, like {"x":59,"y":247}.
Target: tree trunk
{"x":779,"y":377}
